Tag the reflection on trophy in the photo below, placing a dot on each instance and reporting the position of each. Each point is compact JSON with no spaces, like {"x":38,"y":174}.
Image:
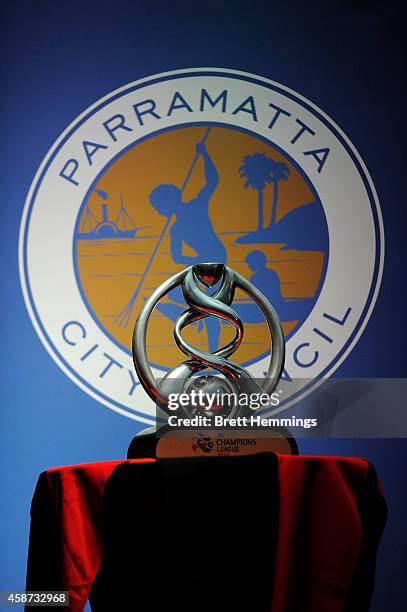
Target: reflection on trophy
{"x":189,"y":377}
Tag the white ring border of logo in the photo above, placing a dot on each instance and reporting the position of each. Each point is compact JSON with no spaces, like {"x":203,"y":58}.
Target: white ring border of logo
{"x":246,"y":77}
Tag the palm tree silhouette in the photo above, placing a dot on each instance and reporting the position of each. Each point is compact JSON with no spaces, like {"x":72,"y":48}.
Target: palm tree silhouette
{"x":257,"y":172}
{"x":278,"y":172}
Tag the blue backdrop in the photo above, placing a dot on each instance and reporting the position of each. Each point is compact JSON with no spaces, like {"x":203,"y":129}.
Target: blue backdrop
{"x":60,"y":57}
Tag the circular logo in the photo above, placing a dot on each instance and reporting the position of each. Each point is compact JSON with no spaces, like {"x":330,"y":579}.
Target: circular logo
{"x":193,"y":166}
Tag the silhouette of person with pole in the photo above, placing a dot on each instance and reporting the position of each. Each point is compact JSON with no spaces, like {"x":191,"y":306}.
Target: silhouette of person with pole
{"x":123,"y":318}
{"x":192,"y":224}
{"x":193,"y":227}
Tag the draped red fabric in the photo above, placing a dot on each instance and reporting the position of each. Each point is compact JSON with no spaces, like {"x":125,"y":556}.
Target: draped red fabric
{"x":331,"y":513}
{"x":77,"y":494}
{"x":320,"y":533}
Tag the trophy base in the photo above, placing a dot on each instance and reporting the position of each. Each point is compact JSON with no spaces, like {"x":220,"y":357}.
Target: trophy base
{"x":224,"y":442}
{"x":206,"y":442}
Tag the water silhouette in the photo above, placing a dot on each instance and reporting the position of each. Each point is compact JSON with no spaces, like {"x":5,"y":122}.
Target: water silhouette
{"x":303,"y":229}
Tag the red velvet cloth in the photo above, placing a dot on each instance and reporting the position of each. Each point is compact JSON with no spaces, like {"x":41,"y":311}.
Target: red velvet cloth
{"x":331,"y":514}
{"x":325,"y":507}
{"x":77,"y":494}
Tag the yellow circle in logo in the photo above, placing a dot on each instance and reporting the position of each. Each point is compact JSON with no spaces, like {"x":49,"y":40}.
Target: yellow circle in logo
{"x":168,"y":202}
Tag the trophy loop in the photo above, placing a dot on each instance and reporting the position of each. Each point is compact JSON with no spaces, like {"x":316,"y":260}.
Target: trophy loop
{"x":233,"y":377}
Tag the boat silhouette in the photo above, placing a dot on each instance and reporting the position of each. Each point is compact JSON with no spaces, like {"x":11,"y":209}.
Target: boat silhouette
{"x":92,"y":228}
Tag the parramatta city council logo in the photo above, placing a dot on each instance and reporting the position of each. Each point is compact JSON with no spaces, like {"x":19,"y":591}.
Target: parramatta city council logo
{"x":193,"y":166}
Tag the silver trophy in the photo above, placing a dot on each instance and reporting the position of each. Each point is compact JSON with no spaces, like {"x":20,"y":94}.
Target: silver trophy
{"x":223,"y":376}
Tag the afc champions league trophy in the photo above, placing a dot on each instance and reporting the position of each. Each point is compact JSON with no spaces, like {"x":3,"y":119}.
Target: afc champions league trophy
{"x":224,"y":377}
